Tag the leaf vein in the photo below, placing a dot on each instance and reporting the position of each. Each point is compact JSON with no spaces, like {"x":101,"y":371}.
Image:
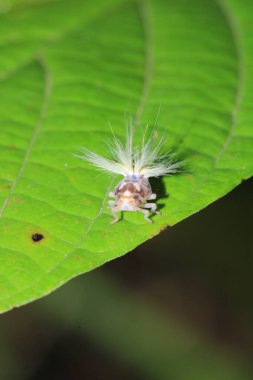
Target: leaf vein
{"x":36,"y":131}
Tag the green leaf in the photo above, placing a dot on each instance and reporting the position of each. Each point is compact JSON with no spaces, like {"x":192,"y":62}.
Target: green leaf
{"x":66,"y":68}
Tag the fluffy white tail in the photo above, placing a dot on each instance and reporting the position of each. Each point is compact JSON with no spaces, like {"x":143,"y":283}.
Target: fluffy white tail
{"x":147,"y":160}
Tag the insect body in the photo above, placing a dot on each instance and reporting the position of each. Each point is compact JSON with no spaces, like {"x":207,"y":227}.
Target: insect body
{"x":137,"y":165}
{"x":132,"y":194}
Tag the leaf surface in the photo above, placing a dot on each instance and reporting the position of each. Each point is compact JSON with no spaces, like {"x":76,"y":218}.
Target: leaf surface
{"x":66,"y":68}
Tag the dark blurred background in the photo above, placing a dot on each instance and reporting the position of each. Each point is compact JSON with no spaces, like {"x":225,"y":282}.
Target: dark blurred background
{"x":178,"y":307}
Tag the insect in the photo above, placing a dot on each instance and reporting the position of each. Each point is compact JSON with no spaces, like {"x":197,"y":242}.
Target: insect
{"x":136,"y":164}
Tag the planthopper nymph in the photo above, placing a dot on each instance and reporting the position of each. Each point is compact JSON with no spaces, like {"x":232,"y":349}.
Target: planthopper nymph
{"x":136,"y":164}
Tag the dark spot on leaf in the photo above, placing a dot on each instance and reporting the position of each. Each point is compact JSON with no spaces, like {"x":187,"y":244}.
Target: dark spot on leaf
{"x":37,"y":237}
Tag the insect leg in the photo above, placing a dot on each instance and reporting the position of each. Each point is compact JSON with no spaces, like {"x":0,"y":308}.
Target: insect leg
{"x":113,"y":210}
{"x":146,"y":214}
{"x":152,"y":196}
{"x":152,"y":206}
{"x":116,"y":218}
